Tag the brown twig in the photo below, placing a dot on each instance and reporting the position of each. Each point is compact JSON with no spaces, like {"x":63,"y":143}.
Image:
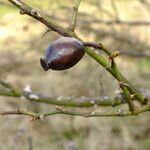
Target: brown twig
{"x":116,"y":113}
{"x":75,"y":14}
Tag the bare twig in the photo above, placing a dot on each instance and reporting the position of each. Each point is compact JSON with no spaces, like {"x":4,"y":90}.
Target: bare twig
{"x":116,"y":113}
{"x":47,"y":31}
{"x":75,"y":14}
{"x":124,"y":88}
{"x":128,"y":98}
{"x":97,"y":46}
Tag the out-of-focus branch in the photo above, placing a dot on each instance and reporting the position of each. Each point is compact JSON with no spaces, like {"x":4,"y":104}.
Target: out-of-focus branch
{"x":125,"y":22}
{"x":9,"y":89}
{"x":146,"y":4}
{"x":75,"y":14}
{"x":61,"y":101}
{"x":113,"y":4}
{"x":4,"y":3}
{"x":119,"y":22}
{"x":30,"y":143}
{"x":88,"y":20}
{"x":134,"y":53}
{"x":25,"y":9}
{"x":102,"y":9}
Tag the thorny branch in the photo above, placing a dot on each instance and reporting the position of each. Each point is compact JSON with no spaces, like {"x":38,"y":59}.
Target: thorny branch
{"x":116,"y":113}
{"x":130,"y":90}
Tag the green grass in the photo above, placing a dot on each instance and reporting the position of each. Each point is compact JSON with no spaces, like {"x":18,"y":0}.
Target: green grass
{"x":6,"y":9}
{"x":143,"y":67}
{"x":146,"y":143}
{"x":144,"y":63}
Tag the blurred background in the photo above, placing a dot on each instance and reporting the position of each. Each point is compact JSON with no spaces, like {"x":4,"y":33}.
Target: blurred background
{"x":122,"y":25}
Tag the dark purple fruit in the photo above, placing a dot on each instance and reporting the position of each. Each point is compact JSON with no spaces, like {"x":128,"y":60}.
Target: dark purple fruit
{"x":62,"y":54}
